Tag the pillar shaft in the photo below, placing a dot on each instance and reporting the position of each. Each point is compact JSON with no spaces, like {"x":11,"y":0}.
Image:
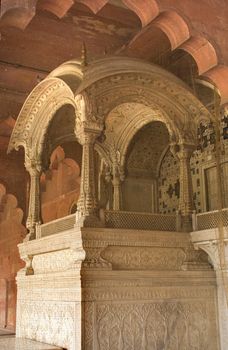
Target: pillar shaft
{"x":87,"y":214}
{"x":34,"y":209}
{"x":87,"y":203}
{"x":117,"y":195}
{"x":186,"y":191}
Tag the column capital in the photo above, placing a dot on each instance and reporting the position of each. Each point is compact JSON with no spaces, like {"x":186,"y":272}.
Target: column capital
{"x":182,"y":150}
{"x":87,"y":135}
{"x":33,"y":166}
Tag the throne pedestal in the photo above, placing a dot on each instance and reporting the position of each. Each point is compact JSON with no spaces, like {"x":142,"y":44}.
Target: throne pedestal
{"x":117,"y":289}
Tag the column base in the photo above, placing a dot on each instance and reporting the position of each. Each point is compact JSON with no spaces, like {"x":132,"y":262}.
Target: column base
{"x":186,"y":223}
{"x":91,"y":220}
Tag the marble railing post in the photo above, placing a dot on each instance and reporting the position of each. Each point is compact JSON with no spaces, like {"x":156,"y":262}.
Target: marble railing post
{"x":87,"y":214}
{"x":186,"y":192}
{"x":213,"y":248}
{"x":34,"y":209}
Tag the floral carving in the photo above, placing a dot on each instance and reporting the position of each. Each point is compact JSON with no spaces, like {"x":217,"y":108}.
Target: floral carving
{"x":161,"y":325}
{"x":144,"y":258}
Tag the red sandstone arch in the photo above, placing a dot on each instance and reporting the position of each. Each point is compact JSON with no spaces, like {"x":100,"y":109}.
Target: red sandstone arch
{"x":57,"y":7}
{"x":202,"y":52}
{"x":218,"y":76}
{"x":174,"y":27}
{"x":19,"y":13}
{"x":146,"y":10}
{"x":94,"y":5}
{"x":14,"y":16}
{"x":165,"y":33}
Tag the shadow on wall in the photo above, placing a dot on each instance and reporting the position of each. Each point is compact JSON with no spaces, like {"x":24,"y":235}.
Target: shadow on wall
{"x":12,"y":232}
{"x":60,"y":186}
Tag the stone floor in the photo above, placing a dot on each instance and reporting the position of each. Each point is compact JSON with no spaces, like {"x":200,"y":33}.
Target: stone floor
{"x":12,"y":343}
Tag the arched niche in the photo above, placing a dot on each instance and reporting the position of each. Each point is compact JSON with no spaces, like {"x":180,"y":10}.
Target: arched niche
{"x":61,"y":158}
{"x":60,"y":130}
{"x":122,"y":124}
{"x":142,"y":163}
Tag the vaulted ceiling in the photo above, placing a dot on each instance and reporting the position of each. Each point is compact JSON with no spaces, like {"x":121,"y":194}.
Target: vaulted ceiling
{"x":188,"y":38}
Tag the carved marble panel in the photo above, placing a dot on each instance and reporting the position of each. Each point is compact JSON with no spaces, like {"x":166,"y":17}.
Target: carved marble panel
{"x":49,"y":322}
{"x":56,"y":261}
{"x":166,"y":325}
{"x":144,"y":258}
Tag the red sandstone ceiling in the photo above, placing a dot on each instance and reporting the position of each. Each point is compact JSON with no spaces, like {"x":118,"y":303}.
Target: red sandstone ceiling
{"x":189,"y":38}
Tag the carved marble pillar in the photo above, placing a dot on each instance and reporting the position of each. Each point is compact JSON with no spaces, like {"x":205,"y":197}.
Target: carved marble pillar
{"x":218,"y":255}
{"x":186,"y":192}
{"x":34,"y":210}
{"x":87,"y":214}
{"x":117,"y":179}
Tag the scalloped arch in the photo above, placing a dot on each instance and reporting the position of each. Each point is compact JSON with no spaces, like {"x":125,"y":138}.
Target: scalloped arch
{"x":146,"y":10}
{"x":94,"y":5}
{"x":218,"y":76}
{"x":143,"y":116}
{"x":37,"y":112}
{"x":121,"y":80}
{"x":57,"y":7}
{"x":174,"y":26}
{"x":106,"y":83}
{"x":202,"y":52}
{"x":18,"y":17}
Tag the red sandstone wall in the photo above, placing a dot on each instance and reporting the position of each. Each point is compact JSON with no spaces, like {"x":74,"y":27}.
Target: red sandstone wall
{"x":12,"y":232}
{"x":60,"y":186}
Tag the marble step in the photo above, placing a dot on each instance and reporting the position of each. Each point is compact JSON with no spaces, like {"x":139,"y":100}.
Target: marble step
{"x":12,"y":343}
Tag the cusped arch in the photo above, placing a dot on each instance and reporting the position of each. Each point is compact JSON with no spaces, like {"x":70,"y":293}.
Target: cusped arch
{"x":146,"y":10}
{"x":57,"y":7}
{"x":16,"y":16}
{"x":137,"y":124}
{"x":124,"y":80}
{"x":174,"y":26}
{"x":106,"y":84}
{"x":218,"y":76}
{"x":36,"y":114}
{"x":202,"y":51}
{"x":94,"y":5}
{"x":132,"y":123}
